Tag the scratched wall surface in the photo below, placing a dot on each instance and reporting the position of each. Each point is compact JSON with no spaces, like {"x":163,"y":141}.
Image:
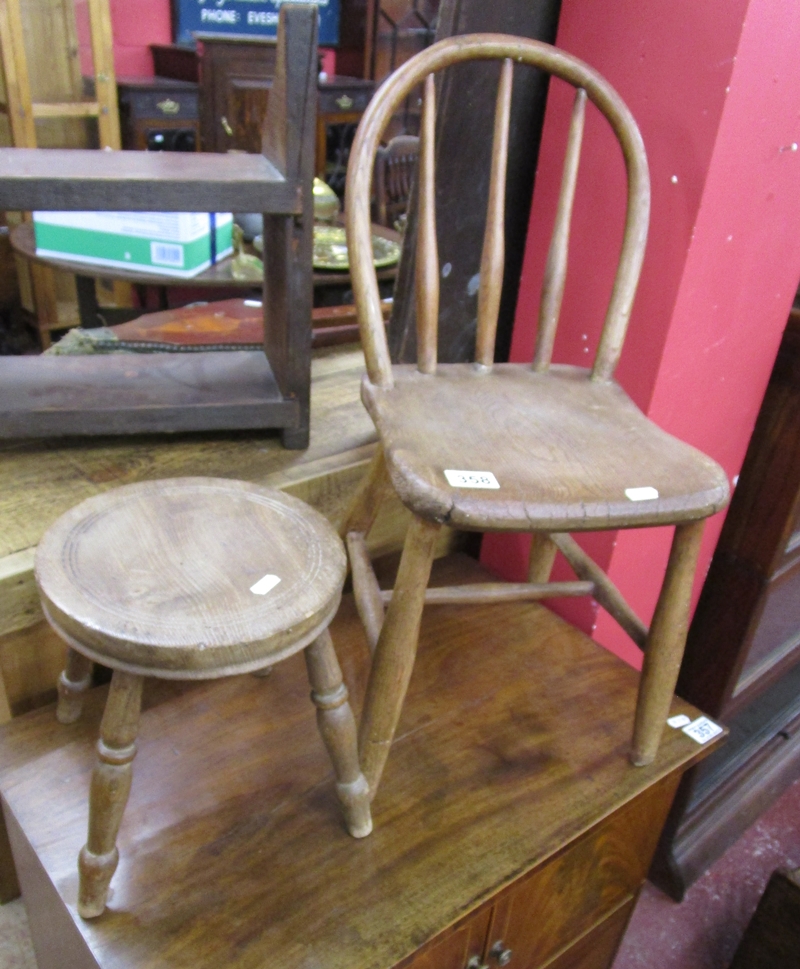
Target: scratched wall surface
{"x":716,"y":94}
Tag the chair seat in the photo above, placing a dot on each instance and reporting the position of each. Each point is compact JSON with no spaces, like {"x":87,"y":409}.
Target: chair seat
{"x":190,"y":577}
{"x":564,"y":450}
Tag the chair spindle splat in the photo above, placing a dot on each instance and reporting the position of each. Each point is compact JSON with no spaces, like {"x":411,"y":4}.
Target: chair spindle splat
{"x":493,"y":255}
{"x":555,"y":274}
{"x":427,"y":267}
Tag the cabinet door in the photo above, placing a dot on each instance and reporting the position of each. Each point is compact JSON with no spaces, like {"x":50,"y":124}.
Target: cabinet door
{"x":566,"y":897}
{"x":454,"y":948}
{"x":246,"y":99}
{"x":235,"y":80}
{"x":596,"y":949}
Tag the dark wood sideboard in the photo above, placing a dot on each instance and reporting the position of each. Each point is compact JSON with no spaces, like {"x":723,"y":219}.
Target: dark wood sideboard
{"x":742,"y":660}
{"x":510,"y":828}
{"x":235,"y":76}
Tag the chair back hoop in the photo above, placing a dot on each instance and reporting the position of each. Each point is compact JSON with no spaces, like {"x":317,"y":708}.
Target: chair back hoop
{"x":384,"y":104}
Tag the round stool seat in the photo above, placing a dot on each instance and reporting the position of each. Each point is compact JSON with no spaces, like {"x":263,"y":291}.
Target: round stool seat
{"x":190,"y":578}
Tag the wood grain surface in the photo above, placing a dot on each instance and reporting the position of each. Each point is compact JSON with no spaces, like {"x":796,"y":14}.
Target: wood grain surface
{"x":159,"y":577}
{"x":40,"y":480}
{"x":232,"y":849}
{"x":123,"y":393}
{"x":146,"y":181}
{"x":564,"y":449}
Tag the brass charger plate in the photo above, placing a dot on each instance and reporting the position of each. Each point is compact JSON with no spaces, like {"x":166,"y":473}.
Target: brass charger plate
{"x":330,"y":249}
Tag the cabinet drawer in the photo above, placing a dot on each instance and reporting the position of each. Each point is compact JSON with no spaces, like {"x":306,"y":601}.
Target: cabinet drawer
{"x":564,"y":898}
{"x":165,"y":104}
{"x":343,"y":101}
{"x":596,"y":949}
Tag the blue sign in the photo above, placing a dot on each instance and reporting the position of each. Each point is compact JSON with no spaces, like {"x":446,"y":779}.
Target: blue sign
{"x":258,"y":18}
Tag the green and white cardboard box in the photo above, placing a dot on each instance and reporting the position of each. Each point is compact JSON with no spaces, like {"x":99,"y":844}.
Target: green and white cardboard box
{"x":170,"y":243}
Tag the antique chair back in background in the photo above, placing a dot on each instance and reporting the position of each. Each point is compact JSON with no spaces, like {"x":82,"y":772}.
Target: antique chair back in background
{"x":547,"y":449}
{"x":395,"y":165}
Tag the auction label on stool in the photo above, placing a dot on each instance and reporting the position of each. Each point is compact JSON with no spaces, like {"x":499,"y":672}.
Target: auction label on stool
{"x":265,"y":585}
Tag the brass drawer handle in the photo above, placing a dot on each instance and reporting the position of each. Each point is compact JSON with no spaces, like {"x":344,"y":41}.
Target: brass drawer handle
{"x":168,"y":106}
{"x":501,"y":953}
{"x":344,"y":102}
{"x":226,"y":127}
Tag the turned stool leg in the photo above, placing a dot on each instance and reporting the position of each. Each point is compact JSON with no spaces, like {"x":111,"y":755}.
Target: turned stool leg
{"x":72,"y":684}
{"x":111,"y":784}
{"x":338,"y":728}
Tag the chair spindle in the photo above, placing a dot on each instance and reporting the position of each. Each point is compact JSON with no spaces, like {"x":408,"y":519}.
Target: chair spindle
{"x":427,"y":266}
{"x":555,"y":274}
{"x":493,"y":255}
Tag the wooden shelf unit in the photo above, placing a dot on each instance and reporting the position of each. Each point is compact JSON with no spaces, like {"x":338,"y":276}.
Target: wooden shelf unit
{"x":33,"y":396}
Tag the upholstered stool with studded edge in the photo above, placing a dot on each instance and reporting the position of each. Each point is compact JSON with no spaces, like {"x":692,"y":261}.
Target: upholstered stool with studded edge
{"x":190,"y":578}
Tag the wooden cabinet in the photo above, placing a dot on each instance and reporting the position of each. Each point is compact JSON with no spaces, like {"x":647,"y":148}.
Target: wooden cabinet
{"x":159,"y":114}
{"x":235,"y":80}
{"x":742,"y":660}
{"x":510,"y":828}
{"x":546,"y":918}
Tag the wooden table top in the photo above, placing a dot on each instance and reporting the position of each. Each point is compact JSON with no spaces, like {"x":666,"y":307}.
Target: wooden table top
{"x":40,"y":480}
{"x":512,"y":743}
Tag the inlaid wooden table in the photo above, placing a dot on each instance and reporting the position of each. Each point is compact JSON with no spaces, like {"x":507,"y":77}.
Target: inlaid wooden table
{"x":509,"y":827}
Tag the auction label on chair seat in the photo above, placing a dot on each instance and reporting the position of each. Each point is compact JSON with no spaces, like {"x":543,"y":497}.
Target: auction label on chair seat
{"x":471,"y":479}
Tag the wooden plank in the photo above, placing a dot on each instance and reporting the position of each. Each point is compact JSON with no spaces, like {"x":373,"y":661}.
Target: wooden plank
{"x":19,"y":600}
{"x":73,"y":109}
{"x":139,"y":393}
{"x":289,"y":133}
{"x":15,"y":69}
{"x":30,"y":661}
{"x":142,"y":181}
{"x":104,"y":77}
{"x":233,"y":852}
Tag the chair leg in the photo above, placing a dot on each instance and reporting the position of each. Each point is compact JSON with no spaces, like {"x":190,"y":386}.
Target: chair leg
{"x":543,"y":554}
{"x":665,"y":644}
{"x":72,"y":685}
{"x":111,"y":784}
{"x":396,"y":649}
{"x":366,"y":502}
{"x":338,"y":728}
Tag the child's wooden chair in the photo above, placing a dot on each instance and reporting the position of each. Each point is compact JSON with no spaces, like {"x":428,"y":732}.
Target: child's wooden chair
{"x":547,"y":449}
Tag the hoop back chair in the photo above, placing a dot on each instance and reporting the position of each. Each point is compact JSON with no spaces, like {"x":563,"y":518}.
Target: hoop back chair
{"x":395,"y":165}
{"x":542,"y":448}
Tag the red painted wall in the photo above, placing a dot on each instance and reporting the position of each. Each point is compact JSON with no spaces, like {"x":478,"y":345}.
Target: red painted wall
{"x":134,"y":26}
{"x":716,"y":92}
